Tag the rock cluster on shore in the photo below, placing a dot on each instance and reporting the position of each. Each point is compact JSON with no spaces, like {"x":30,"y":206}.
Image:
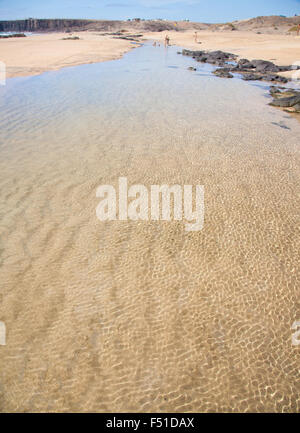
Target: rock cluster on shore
{"x":214,"y":57}
{"x":130,"y":37}
{"x":289,"y":99}
{"x":251,"y":70}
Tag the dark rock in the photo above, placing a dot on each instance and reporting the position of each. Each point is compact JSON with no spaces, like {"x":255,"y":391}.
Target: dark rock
{"x":285,"y":68}
{"x":15,"y":35}
{"x":296,"y":107}
{"x":274,"y":91}
{"x":286,"y":102}
{"x":264,"y":77}
{"x":209,"y":56}
{"x":192,"y":53}
{"x":223,"y":73}
{"x":276,"y":78}
{"x":202,"y":59}
{"x":252,"y":77}
{"x":251,"y":70}
{"x":243,"y":61}
{"x":71,"y":38}
{"x":245,"y":64}
{"x":281,"y":92}
{"x":264,"y":66}
{"x":221,"y":55}
{"x":229,"y":67}
{"x":129,"y":37}
{"x":190,"y":68}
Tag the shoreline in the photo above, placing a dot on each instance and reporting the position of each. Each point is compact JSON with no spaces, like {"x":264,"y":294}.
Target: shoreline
{"x":282,"y":49}
{"x":83,"y":48}
{"x":227,"y":66}
{"x":37,"y":54}
{"x":40,"y":53}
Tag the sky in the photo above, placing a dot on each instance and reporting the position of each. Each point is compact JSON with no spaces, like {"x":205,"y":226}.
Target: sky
{"x":194,"y":10}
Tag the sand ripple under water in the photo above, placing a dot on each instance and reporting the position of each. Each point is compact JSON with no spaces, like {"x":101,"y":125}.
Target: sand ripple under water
{"x":143,"y":316}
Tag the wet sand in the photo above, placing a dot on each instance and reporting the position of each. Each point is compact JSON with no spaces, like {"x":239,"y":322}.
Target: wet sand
{"x":143,"y":316}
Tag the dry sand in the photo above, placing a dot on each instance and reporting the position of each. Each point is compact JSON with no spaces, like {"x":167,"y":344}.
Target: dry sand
{"x":39,"y":53}
{"x":282,"y":49}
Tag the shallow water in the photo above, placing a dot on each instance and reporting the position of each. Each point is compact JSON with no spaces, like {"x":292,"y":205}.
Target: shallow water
{"x":143,"y":316}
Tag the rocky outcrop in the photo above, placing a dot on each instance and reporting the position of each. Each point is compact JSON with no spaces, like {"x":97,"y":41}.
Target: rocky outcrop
{"x":261,"y":70}
{"x":264,"y":66}
{"x":13,"y":35}
{"x":252,"y":77}
{"x":245,"y":64}
{"x":273,"y":24}
{"x":286,"y":98}
{"x":264,"y":77}
{"x":214,"y":57}
{"x":251,"y":70}
{"x":134,"y":38}
{"x":40,"y":25}
{"x":223,"y":73}
{"x":62,"y":25}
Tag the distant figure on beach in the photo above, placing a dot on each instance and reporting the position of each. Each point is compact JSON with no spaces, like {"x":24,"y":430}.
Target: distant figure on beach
{"x":196,"y":37}
{"x":167,"y":41}
{"x":154,"y":44}
{"x":298,"y":29}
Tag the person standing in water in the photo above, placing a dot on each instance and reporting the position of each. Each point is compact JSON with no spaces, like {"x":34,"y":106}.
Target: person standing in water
{"x":167,"y":41}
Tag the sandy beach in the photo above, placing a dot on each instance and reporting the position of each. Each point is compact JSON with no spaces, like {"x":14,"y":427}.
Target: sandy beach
{"x":39,"y":53}
{"x":47,"y":52}
{"x":282,"y":49}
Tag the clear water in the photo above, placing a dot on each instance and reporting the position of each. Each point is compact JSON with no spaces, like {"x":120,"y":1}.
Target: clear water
{"x":142,"y":316}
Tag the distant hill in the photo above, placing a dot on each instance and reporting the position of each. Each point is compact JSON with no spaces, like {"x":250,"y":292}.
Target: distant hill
{"x":52,"y":25}
{"x":268,"y":24}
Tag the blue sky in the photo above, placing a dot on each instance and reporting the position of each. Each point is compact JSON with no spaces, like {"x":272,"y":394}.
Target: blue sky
{"x":195,"y":10}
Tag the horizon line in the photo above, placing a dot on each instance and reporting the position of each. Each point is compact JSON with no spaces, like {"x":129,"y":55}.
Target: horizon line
{"x":148,"y":19}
